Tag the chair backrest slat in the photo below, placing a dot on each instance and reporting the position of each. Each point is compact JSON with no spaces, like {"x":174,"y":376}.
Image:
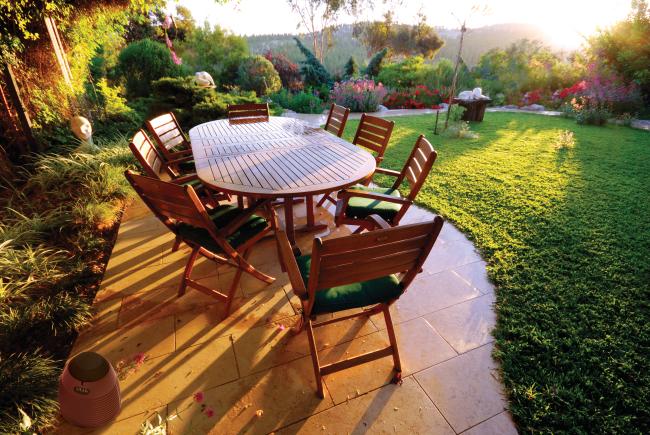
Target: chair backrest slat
{"x":336,"y":119}
{"x":350,"y":257}
{"x":168,"y":134}
{"x":374,"y":133}
{"x":372,"y":255}
{"x":418,"y":165}
{"x":147,"y":155}
{"x":248,"y":113}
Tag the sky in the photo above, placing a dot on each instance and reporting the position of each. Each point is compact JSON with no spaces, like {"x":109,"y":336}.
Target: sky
{"x":565,"y":22}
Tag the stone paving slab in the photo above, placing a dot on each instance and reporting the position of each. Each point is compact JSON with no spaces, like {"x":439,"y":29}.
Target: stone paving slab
{"x":255,"y":376}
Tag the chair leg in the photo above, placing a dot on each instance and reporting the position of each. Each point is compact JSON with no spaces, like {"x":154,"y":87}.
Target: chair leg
{"x":314,"y":359}
{"x":177,"y":244}
{"x":393,"y":342}
{"x":248,"y":268}
{"x":233,"y":286}
{"x":188,"y":271}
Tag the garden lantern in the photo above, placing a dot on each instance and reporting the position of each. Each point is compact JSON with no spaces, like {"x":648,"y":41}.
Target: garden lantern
{"x":89,"y":391}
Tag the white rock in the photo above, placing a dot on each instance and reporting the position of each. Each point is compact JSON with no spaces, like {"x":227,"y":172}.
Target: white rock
{"x":204,"y":79}
{"x":534,"y":108}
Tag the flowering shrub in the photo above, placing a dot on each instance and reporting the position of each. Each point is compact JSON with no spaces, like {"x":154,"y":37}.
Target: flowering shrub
{"x":420,"y":97}
{"x":561,"y":95}
{"x":532,"y":97}
{"x":359,"y":95}
{"x":608,"y":93}
{"x":288,"y":71}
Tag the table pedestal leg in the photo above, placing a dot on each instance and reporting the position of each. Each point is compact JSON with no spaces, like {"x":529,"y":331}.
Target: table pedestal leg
{"x":311,"y":221}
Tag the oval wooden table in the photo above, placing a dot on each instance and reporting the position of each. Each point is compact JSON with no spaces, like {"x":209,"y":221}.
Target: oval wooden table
{"x":282,"y":158}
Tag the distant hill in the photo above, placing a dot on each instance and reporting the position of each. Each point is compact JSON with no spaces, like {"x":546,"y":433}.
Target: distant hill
{"x":344,"y":45}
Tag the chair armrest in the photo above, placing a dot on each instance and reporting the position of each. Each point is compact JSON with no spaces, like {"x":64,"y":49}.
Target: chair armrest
{"x":387,"y":172}
{"x":378,"y":221}
{"x":290,"y":263}
{"x":346,"y":194}
{"x":242,"y":218}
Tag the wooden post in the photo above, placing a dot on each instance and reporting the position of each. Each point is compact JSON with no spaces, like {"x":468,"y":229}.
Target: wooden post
{"x":452,"y":91}
{"x":58,"y":50}
{"x":19,"y":106}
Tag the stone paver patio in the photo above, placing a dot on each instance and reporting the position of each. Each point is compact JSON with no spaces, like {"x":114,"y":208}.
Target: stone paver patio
{"x":256,"y":376}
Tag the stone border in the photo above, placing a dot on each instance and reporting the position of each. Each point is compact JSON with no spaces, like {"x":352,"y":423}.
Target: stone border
{"x":320,"y":119}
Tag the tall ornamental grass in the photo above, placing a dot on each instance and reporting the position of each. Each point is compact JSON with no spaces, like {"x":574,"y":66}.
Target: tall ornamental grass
{"x":56,"y":228}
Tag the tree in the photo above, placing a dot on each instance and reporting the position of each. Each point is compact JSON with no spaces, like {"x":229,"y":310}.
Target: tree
{"x":624,"y":48}
{"x":319,"y":18}
{"x":213,"y":50}
{"x":313,"y":71}
{"x":402,"y":39}
{"x":351,"y":68}
{"x":142,"y":62}
{"x":374,"y":66}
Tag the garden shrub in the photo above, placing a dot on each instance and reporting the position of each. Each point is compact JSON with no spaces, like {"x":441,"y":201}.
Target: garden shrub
{"x":375,"y":64}
{"x":193,"y":104}
{"x":216,"y":106}
{"x":216,"y":51}
{"x":351,"y":69}
{"x":359,"y":95}
{"x":312,"y":70}
{"x":142,"y":62}
{"x":257,"y":74}
{"x":288,"y":71}
{"x":301,"y":102}
{"x":420,"y":97}
{"x":403,"y":75}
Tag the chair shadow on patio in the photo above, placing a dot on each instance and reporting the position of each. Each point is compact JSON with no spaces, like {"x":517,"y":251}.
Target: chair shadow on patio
{"x":255,"y":375}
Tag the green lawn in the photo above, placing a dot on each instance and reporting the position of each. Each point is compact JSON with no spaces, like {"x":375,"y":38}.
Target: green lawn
{"x":566,"y":233}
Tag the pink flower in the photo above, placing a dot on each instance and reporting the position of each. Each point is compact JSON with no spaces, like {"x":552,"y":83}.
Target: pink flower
{"x":198,"y":397}
{"x":139,"y":358}
{"x":168,"y":42}
{"x":168,"y":22}
{"x":209,"y":412}
{"x":177,"y":60}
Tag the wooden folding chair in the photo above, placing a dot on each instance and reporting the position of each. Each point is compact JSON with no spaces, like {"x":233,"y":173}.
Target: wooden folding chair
{"x":224,"y":235}
{"x":373,"y":134}
{"x":357,"y":271}
{"x":248,"y":113}
{"x":154,"y":165}
{"x":336,"y":119}
{"x":358,"y":202}
{"x":171,"y":141}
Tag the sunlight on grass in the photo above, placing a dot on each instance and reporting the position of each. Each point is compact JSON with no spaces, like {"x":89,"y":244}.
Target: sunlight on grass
{"x":566,"y":234}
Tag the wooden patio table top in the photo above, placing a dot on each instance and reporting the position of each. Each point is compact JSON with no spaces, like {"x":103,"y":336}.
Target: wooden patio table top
{"x":281,"y":158}
{"x":284,"y":157}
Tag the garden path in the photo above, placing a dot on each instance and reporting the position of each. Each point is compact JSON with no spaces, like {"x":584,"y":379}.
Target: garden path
{"x":256,"y":377}
{"x":320,"y":119}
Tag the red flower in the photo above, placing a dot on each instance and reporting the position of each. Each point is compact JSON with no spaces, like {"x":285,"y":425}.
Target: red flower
{"x":198,"y":397}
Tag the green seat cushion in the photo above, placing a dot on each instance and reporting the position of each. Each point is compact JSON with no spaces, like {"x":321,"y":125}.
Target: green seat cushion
{"x":221,"y":216}
{"x":349,"y":296}
{"x":187,"y":167}
{"x":195,"y":183}
{"x":361,"y":208}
